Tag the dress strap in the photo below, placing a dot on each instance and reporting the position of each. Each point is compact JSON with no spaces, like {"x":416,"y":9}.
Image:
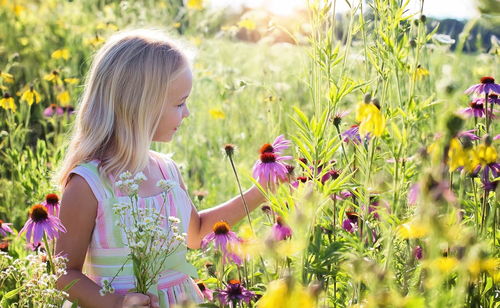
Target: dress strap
{"x":89,"y":171}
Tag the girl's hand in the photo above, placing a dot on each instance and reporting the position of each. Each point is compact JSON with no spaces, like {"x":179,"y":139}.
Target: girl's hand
{"x":138,"y":300}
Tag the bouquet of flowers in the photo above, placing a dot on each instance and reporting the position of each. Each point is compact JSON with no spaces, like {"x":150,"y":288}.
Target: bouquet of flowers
{"x":150,"y":243}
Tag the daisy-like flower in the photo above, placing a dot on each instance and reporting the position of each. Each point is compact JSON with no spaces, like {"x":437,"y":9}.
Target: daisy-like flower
{"x":207,"y":293}
{"x":352,"y":135}
{"x":476,"y":109}
{"x":350,"y":224}
{"x":54,"y":77}
{"x":52,"y":204}
{"x":40,"y":223}
{"x":6,"y":77}
{"x":52,"y":110}
{"x":269,"y":168}
{"x":4,"y":228}
{"x":469,"y":134}
{"x":280,"y":144}
{"x":30,"y":96}
{"x":486,"y":86}
{"x":281,"y":231}
{"x":223,"y":239}
{"x":7,"y":102}
{"x":235,"y":293}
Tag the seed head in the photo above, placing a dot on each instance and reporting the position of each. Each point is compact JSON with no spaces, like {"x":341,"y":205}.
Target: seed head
{"x":221,"y":227}
{"x":229,"y":149}
{"x":38,"y":213}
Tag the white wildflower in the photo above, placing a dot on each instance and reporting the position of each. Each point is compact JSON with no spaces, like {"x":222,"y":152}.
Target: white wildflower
{"x":166,"y":185}
{"x":174,"y":219}
{"x":139,"y":178}
{"x":125,"y":175}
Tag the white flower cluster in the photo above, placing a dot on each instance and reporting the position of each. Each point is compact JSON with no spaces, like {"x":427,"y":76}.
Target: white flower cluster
{"x":35,"y":284}
{"x":149,"y":235}
{"x":106,"y":288}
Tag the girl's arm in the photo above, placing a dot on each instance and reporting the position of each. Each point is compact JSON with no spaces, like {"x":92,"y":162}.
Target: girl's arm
{"x":78,"y":213}
{"x":232,"y":211}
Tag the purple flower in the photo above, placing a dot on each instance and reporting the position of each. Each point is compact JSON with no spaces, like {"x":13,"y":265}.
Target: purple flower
{"x":270,"y":168}
{"x":342,"y":196}
{"x":413,"y":194}
{"x":469,"y":134}
{"x":207,"y":293}
{"x":280,"y":230}
{"x":417,"y":252}
{"x":280,"y":144}
{"x":223,"y":239}
{"x":486,"y":86}
{"x":476,"y":109}
{"x":352,"y":134}
{"x":496,"y":137}
{"x":52,"y":110}
{"x":4,"y":228}
{"x":330,"y":174}
{"x":494,"y":169}
{"x":351,"y":223}
{"x":235,"y":293}
{"x":52,"y":204}
{"x":41,"y":222}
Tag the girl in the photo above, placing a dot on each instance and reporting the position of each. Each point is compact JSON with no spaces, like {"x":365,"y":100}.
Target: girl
{"x":135,"y":93}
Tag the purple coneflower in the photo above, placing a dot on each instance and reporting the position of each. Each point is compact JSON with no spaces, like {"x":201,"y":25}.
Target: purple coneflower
{"x":4,"y":228}
{"x":469,"y":134}
{"x":342,"y":196}
{"x":52,"y":204}
{"x":235,"y":293}
{"x":280,"y":144}
{"x":270,"y":167}
{"x":223,"y":238}
{"x":52,"y":110}
{"x":352,"y":134}
{"x":40,"y":223}
{"x":280,"y":230}
{"x":476,"y":109}
{"x":351,"y":223}
{"x":486,"y":86}
{"x":207,"y":293}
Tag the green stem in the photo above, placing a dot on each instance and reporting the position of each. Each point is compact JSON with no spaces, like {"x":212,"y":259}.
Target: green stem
{"x":49,"y":254}
{"x":241,"y":193}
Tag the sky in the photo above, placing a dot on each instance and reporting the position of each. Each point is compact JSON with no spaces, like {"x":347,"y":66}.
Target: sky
{"x":458,"y":9}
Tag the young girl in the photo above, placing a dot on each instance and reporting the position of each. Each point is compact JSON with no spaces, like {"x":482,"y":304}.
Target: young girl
{"x":135,"y":93}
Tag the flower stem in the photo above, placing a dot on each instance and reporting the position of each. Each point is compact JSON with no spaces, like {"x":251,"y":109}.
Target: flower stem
{"x":241,"y":192}
{"x":49,"y":254}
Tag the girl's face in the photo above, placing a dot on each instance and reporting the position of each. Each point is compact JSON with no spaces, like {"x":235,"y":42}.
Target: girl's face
{"x":175,"y":109}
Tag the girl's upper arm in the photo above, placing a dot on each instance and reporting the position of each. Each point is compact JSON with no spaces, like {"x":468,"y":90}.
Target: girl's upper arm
{"x":78,"y":212}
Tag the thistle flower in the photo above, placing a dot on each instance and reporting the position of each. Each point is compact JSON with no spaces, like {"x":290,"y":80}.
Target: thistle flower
{"x":52,"y":204}
{"x":52,"y":110}
{"x":280,"y":230}
{"x":40,"y":223}
{"x":350,"y":224}
{"x":4,"y":228}
{"x":235,"y":293}
{"x":486,"y":86}
{"x":223,"y":239}
{"x":269,"y":168}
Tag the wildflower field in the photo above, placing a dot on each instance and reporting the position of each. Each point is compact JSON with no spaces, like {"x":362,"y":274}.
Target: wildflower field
{"x":386,"y":140}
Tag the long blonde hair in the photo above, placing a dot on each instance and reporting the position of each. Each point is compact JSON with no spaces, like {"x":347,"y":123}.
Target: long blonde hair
{"x":119,"y":112}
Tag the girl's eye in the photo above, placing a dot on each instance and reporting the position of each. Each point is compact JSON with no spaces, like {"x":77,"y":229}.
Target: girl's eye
{"x":181,"y":105}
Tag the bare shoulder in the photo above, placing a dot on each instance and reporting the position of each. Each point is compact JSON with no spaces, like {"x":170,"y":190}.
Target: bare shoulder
{"x":79,"y":196}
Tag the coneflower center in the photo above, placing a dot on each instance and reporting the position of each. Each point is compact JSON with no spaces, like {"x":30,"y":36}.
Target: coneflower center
{"x":280,"y":221}
{"x":221,"y":227}
{"x":353,"y":216}
{"x":475,"y":105}
{"x":39,"y":213}
{"x":487,"y":80}
{"x":201,"y":286}
{"x":268,"y":157}
{"x":51,"y":199}
{"x":1,"y":222}
{"x":266,"y":148}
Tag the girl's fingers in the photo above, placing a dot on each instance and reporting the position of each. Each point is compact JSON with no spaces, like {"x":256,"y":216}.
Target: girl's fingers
{"x":155,"y":301}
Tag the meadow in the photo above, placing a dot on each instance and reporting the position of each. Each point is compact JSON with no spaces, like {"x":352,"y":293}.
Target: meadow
{"x":393,"y":196}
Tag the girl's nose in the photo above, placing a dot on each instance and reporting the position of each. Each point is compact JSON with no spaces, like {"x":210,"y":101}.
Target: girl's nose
{"x":186,"y":112}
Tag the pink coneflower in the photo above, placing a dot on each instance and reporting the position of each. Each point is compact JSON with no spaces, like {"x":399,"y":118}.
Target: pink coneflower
{"x":235,"y":293}
{"x":207,"y":293}
{"x":4,"y":228}
{"x":223,"y":238}
{"x":476,"y":109}
{"x":342,"y":196}
{"x":52,"y":110}
{"x":350,"y":224}
{"x":280,"y":230}
{"x":486,"y":86}
{"x":40,"y":223}
{"x":330,"y":174}
{"x":270,"y":167}
{"x":469,"y":134}
{"x":280,"y":144}
{"x":52,"y":204}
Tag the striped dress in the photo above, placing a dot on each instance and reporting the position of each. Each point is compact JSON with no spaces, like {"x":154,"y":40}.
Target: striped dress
{"x":107,"y":251}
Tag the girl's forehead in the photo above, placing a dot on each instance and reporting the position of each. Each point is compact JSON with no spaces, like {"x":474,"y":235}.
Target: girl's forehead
{"x":181,"y":85}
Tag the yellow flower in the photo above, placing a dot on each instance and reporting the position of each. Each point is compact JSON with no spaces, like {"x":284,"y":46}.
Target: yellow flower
{"x":106,"y":26}
{"x":7,"y":102}
{"x":71,"y":80}
{"x":217,"y":113}
{"x":412,"y":230}
{"x":372,"y":120}
{"x":421,"y":72}
{"x":362,"y":110}
{"x":94,"y":41}
{"x":30,"y":96}
{"x":457,"y":156}
{"x":53,"y":77}
{"x":64,"y":98}
{"x":279,"y":295}
{"x":194,"y":4}
{"x":18,"y":9}
{"x":484,"y":155}
{"x":446,"y":264}
{"x":247,"y":24}
{"x":6,"y":77}
{"x":24,"y":41}
{"x":176,"y":25}
{"x":61,"y":54}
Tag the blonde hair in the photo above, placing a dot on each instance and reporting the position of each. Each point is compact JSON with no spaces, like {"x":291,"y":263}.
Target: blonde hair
{"x":119,"y":112}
